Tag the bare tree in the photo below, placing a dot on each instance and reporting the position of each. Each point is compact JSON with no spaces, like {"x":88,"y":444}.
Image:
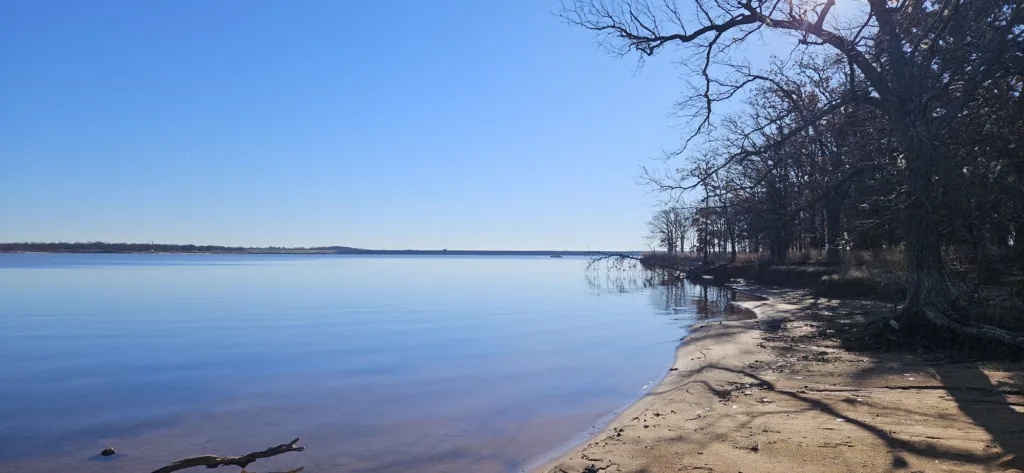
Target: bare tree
{"x":920,"y":63}
{"x":668,"y":227}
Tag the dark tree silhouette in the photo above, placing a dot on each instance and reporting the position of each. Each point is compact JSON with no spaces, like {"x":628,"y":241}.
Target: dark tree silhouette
{"x":918,"y":68}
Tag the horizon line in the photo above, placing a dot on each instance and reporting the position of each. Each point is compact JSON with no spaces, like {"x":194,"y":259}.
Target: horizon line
{"x":69,"y":244}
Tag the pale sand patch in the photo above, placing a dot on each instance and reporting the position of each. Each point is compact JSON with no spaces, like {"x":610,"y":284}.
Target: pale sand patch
{"x":781,"y":394}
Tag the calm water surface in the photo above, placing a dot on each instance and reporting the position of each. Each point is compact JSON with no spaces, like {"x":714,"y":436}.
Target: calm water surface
{"x":482,"y":364}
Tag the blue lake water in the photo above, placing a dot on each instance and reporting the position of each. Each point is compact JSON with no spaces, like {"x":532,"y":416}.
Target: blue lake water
{"x":377,"y":363}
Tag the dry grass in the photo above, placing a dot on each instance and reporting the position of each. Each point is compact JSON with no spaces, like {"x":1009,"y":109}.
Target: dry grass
{"x":989,"y":287}
{"x":989,"y":290}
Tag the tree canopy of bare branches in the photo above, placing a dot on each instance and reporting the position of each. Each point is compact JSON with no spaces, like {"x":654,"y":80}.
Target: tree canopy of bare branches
{"x":880,"y":114}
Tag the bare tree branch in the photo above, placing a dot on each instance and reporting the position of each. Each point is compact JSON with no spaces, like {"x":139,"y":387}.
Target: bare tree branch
{"x":213,"y":461}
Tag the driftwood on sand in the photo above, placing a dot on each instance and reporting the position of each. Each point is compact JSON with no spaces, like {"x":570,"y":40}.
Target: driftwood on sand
{"x":213,"y":461}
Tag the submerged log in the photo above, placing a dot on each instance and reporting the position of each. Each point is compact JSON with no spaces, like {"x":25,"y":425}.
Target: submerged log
{"x":213,"y":461}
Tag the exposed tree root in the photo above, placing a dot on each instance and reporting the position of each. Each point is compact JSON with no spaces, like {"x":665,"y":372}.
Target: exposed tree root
{"x":1010,"y":392}
{"x":981,"y":331}
{"x":929,"y":326}
{"x":213,"y":461}
{"x":1004,"y":392}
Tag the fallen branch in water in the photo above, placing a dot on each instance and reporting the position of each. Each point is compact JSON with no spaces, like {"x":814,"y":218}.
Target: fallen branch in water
{"x":213,"y":461}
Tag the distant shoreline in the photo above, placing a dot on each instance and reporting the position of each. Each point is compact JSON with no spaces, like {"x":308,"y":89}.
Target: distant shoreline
{"x":139,"y":248}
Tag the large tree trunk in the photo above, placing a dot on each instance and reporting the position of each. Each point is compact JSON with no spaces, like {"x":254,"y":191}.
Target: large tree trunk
{"x":706,"y":244}
{"x":833,"y":214}
{"x":833,"y":210}
{"x":779,"y":244}
{"x":929,"y":294}
{"x":785,"y":241}
{"x":732,"y":242}
{"x":927,"y":284}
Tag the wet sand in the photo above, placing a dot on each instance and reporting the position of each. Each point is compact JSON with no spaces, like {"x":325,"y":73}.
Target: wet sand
{"x":781,"y":394}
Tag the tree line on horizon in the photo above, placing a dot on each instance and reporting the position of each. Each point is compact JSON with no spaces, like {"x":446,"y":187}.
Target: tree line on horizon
{"x":897,"y":125}
{"x":105,"y":247}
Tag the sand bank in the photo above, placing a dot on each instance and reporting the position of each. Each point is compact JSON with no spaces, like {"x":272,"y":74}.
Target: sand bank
{"x":780,"y":393}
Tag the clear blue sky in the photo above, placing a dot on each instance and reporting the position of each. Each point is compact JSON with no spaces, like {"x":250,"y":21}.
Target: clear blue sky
{"x":400,"y":124}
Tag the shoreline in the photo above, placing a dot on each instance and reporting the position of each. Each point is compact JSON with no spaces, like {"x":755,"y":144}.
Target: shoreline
{"x":545,"y":462}
{"x":453,"y":253}
{"x":779,"y":393}
{"x":574,"y":455}
{"x":551,"y":458}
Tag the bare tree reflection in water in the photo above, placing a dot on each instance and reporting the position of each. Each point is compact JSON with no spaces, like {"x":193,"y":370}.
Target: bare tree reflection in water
{"x":670,"y":293}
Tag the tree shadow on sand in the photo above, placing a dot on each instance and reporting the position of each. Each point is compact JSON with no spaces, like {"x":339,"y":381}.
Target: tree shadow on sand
{"x":988,"y":394}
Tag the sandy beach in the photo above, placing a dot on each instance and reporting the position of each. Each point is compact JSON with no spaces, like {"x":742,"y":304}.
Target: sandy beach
{"x":780,"y":393}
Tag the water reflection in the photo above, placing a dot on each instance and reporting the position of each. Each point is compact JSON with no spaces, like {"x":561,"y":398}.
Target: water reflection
{"x":379,"y":364}
{"x":668,"y":293}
